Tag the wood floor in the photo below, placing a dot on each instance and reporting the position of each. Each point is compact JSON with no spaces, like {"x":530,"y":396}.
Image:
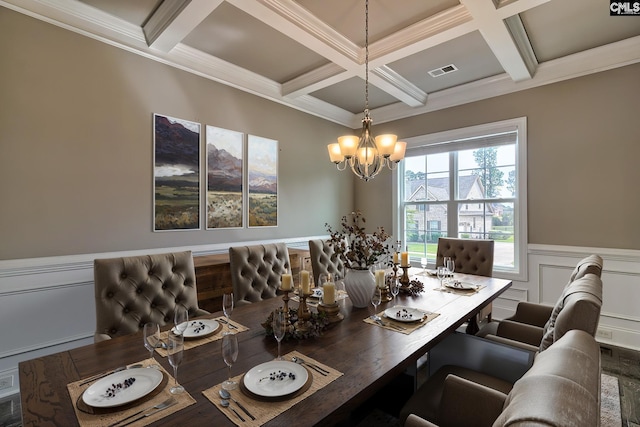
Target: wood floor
{"x":619,"y":362}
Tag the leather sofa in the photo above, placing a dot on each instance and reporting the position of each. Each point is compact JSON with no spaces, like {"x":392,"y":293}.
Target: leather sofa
{"x":562,"y":389}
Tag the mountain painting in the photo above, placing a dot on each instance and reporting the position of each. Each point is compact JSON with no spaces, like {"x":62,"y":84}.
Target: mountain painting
{"x":176,"y":174}
{"x":262,"y":162}
{"x":224,"y":178}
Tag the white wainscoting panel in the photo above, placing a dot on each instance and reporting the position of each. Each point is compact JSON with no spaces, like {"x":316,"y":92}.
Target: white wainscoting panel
{"x":47,"y":304}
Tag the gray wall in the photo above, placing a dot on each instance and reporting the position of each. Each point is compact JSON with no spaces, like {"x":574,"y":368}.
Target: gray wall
{"x":76,"y":146}
{"x":76,"y":150}
{"x":583,"y":157}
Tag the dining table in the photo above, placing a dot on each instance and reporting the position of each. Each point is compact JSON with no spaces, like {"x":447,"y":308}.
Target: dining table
{"x":363,"y":357}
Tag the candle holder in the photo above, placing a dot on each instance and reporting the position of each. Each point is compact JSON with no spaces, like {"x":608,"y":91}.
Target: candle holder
{"x":287,"y":315}
{"x":304,"y":314}
{"x":404,"y":280}
{"x":332,"y":311}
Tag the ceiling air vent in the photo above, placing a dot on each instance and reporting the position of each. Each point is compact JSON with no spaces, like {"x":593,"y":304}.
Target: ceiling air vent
{"x":443,"y":70}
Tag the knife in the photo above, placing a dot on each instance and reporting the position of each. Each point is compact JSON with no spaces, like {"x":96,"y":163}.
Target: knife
{"x":148,"y":414}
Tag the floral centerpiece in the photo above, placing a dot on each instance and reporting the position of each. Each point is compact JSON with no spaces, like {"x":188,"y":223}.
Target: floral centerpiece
{"x":356,"y":248}
{"x":359,"y":250}
{"x":317,"y":323}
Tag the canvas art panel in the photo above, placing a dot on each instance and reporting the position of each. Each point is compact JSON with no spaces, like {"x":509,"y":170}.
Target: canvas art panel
{"x":262,"y":165}
{"x":225,"y":172}
{"x":176,"y":174}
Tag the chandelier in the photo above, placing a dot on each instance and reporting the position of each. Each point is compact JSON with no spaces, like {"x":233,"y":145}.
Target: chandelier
{"x":366,"y":155}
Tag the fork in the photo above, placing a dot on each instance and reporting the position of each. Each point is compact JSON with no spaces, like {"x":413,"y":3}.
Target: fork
{"x":170,"y":401}
{"x":391,"y":325}
{"x":228,"y":323}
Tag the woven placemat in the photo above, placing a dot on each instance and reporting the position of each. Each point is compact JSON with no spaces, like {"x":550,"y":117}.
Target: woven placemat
{"x":191,"y":343}
{"x":265,"y":411}
{"x":402,"y":327}
{"x":112,"y":415}
{"x":466,"y":292}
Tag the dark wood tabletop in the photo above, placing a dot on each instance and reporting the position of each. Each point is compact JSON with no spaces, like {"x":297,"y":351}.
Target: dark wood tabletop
{"x":368,"y":355}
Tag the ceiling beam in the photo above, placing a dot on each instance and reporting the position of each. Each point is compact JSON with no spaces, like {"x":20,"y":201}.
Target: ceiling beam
{"x":498,"y":36}
{"x":173,"y":20}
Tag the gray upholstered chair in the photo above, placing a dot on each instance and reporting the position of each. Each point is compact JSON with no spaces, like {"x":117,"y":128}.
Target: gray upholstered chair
{"x":131,"y":291}
{"x":256,"y":271}
{"x":532,"y":321}
{"x":472,"y":256}
{"x":562,"y":388}
{"x":324,"y":260}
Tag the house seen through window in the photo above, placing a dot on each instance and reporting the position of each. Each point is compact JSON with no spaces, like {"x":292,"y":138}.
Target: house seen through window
{"x":468,"y":183}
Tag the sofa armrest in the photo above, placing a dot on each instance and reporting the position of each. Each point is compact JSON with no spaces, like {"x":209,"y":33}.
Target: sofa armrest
{"x":466,"y":403}
{"x":532,"y":313}
{"x":512,"y":343}
{"x":415,"y":421}
{"x":522,"y":332}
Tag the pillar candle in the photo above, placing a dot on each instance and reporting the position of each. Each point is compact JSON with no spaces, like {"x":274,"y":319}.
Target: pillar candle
{"x":286,"y":282}
{"x":404,"y":257}
{"x":395,"y":257}
{"x":304,"y":282}
{"x":329,"y":293}
{"x":380,"y":278}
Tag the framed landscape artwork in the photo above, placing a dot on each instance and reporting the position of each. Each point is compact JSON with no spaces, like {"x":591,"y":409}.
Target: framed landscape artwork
{"x":225,"y":163}
{"x":262,"y":165}
{"x":176,"y":174}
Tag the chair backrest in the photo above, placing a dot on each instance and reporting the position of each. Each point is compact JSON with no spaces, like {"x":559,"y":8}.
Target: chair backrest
{"x":256,"y":271}
{"x":131,"y":291}
{"x":324,"y":260}
{"x":589,"y":265}
{"x":578,"y":308}
{"x":562,"y":388}
{"x":472,"y":256}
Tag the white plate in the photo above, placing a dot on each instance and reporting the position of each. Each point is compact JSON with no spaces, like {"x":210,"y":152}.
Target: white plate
{"x":146,"y":380}
{"x":257,"y":381}
{"x":200,"y":328}
{"x":461,"y":285}
{"x":404,"y":314}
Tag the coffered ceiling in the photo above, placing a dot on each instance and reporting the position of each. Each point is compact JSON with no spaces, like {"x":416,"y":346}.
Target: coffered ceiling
{"x":309,"y":54}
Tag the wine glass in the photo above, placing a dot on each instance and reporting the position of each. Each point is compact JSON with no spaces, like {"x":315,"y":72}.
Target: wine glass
{"x":423,"y":264}
{"x":442,"y":273}
{"x":175,"y":350}
{"x":450,"y":264}
{"x":376,"y":299}
{"x":181,"y":318}
{"x":227,"y":308}
{"x":229,"y":354}
{"x":152,"y":341}
{"x":395,"y":287}
{"x":279,"y":328}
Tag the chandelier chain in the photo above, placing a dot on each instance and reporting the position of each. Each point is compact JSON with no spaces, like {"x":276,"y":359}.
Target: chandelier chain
{"x":366,"y":57}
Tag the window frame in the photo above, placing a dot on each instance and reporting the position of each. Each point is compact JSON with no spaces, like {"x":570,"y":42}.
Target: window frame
{"x":454,"y":140}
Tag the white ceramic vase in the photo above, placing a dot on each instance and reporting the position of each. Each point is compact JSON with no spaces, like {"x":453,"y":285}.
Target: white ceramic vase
{"x":359,"y":285}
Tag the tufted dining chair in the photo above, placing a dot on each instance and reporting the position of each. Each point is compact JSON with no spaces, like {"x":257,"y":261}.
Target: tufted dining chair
{"x":536,"y":326}
{"x":256,"y":271}
{"x":472,"y":256}
{"x":324,"y":260}
{"x":131,"y":291}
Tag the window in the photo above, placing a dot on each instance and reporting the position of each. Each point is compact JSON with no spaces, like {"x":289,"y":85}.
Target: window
{"x":467,"y":183}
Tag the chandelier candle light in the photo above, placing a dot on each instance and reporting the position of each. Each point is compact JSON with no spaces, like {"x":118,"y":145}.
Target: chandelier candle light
{"x":367,"y":155}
